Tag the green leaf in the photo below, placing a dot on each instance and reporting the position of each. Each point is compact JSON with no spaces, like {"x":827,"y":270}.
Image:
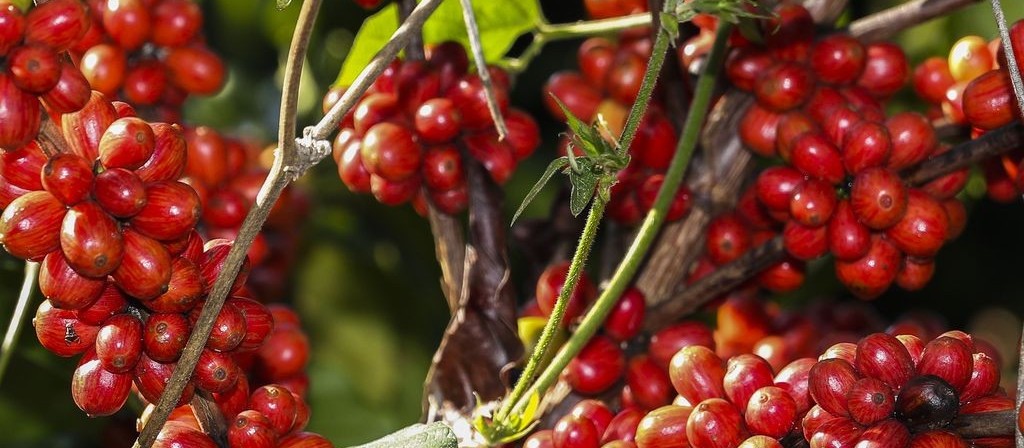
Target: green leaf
{"x":433,"y":435}
{"x":586,"y":136}
{"x":500,"y":23}
{"x":282,"y":4}
{"x":584,"y":182}
{"x":553,"y":168}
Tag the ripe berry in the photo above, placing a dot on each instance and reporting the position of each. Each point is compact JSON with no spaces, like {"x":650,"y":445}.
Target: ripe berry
{"x":12,"y":26}
{"x":758,"y":130}
{"x":665,"y":426}
{"x":437,"y":121}
{"x":771,"y":411}
{"x":195,"y":69}
{"x":775,"y":187}
{"x":67,"y":177}
{"x":838,"y":59}
{"x":829,"y":382}
{"x":813,"y":203}
{"x":172,"y":209}
{"x":119,"y":343}
{"x":922,"y":230}
{"x":175,"y":22}
{"x":932,"y":79}
{"x":649,"y":383}
{"x":805,"y":243}
{"x":848,"y":239}
{"x":988,"y":101}
{"x":34,"y":68}
{"x":784,"y":87}
{"x":252,"y":429}
{"x":814,"y":156}
{"x":91,"y":240}
{"x":165,"y":336}
{"x":145,"y":268}
{"x":714,"y":423}
{"x":744,"y":375}
{"x":665,"y":343}
{"x":64,"y":287}
{"x":867,"y":145}
{"x":22,"y":120}
{"x":727,"y":239}
{"x":913,"y":139}
{"x":597,"y":366}
{"x":61,"y":332}
{"x":884,"y":357}
{"x":870,"y":401}
{"x":697,"y":374}
{"x":30,"y":225}
{"x":886,"y":70}
{"x":878,"y":198}
{"x":947,"y":358}
{"x":96,"y":391}
{"x":284,"y":354}
{"x":626,"y":318}
{"x":56,"y":24}
{"x":549,"y":287}
{"x":575,"y":432}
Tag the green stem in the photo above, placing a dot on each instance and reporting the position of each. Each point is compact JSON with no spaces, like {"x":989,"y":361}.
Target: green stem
{"x":547,"y":32}
{"x":594,"y":217}
{"x":651,"y":225}
{"x":18,"y":318}
{"x":579,"y":260}
{"x":643,"y":98}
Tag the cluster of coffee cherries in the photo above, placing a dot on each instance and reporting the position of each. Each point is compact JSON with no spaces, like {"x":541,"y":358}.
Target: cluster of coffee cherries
{"x":227,"y":173}
{"x":897,"y":391}
{"x":150,"y":54}
{"x":272,"y":415}
{"x":972,"y":87}
{"x":31,"y":48}
{"x":607,"y":84}
{"x":819,"y":109}
{"x":417,"y":123}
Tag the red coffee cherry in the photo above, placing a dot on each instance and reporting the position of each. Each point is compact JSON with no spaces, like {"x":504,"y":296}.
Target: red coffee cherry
{"x":550,"y":285}
{"x":784,"y":87}
{"x":165,"y":336}
{"x":775,"y":187}
{"x":67,"y":177}
{"x":829,"y":383}
{"x":34,"y":68}
{"x":885,"y":71}
{"x":56,"y":24}
{"x":65,"y":288}
{"x":878,"y":198}
{"x":744,"y":375}
{"x":648,"y":382}
{"x":867,"y":145}
{"x":948,"y":358}
{"x":665,"y":343}
{"x":23,"y":118}
{"x":727,"y":239}
{"x":988,"y":101}
{"x":922,"y":230}
{"x":91,"y":240}
{"x":771,"y":411}
{"x":758,"y":130}
{"x":838,"y":59}
{"x":883,"y":357}
{"x":665,"y":426}
{"x":175,"y":22}
{"x":145,"y":268}
{"x":597,"y":366}
{"x":252,"y":429}
{"x":813,"y":203}
{"x":195,"y":69}
{"x":870,"y":401}
{"x":932,"y":79}
{"x":119,"y":343}
{"x":697,"y":374}
{"x":714,"y":423}
{"x":96,"y":391}
{"x":848,"y":239}
{"x":575,"y":432}
{"x":61,"y":332}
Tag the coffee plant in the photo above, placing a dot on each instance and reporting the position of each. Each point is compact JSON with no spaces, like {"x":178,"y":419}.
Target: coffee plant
{"x":749,"y":187}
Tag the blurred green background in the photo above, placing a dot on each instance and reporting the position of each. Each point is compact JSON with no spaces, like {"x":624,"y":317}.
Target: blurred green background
{"x":366,"y":283}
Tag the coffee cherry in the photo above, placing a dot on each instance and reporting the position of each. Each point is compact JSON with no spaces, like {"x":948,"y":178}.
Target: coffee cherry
{"x":760,"y":442}
{"x":172,"y":209}
{"x":625,"y":320}
{"x":165,"y":336}
{"x":913,"y":139}
{"x":442,"y":168}
{"x":805,"y":243}
{"x":744,"y":375}
{"x":648,"y":193}
{"x":284,"y":354}
{"x":792,"y":125}
{"x":665,"y":426}
{"x":119,"y":343}
{"x":61,"y":332}
{"x":71,"y":92}
{"x":597,"y":366}
{"x":250,"y":428}
{"x":12,"y":27}
{"x":988,"y":101}
{"x":575,"y":432}
{"x":922,"y":230}
{"x":878,"y":198}
{"x":813,"y":203}
{"x":727,"y":239}
{"x":697,"y":374}
{"x":96,"y":391}
{"x":175,"y":434}
{"x":927,"y":402}
{"x":714,"y":423}
{"x":30,"y":225}
{"x":91,"y":240}
{"x":829,"y":382}
{"x":22,"y":120}
{"x":648,"y":382}
{"x":814,"y":156}
{"x":932,"y":78}
{"x":67,"y":177}
{"x":784,"y":87}
{"x":195,"y":69}
{"x":56,"y":24}
{"x":151,"y":378}
{"x":64,"y":287}
{"x":104,"y":67}
{"x":867,"y":145}
{"x":21,"y":167}
{"x":665,"y":343}
{"x":389,"y":151}
{"x":848,"y":239}
{"x":745,"y":65}
{"x":870,"y":401}
{"x":775,"y":187}
{"x":127,"y":143}
{"x":793,"y":379}
{"x":571,"y":89}
{"x":496,"y":156}
{"x":947,"y":358}
{"x":884,"y":357}
{"x":34,"y":68}
{"x":110,"y":302}
{"x":169,"y":154}
{"x":885,"y":71}
{"x":437,"y":121}
{"x":596,"y":411}
{"x":145,"y":268}
{"x":969,"y":57}
{"x":838,"y":59}
{"x":771,"y":412}
{"x":175,"y":22}
{"x":915,"y":273}
{"x":758,"y":130}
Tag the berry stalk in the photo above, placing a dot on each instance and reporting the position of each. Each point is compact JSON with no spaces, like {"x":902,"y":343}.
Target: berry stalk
{"x":887,"y":23}
{"x":288,"y":164}
{"x":553,"y":32}
{"x":652,"y":223}
{"x":18,"y":318}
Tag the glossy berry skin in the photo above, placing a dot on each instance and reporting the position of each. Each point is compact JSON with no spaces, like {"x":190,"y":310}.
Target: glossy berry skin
{"x":67,"y":177}
{"x":389,"y":151}
{"x":813,"y":203}
{"x":838,"y":59}
{"x":878,"y":198}
{"x":663,"y":427}
{"x":442,"y":168}
{"x":784,"y":87}
{"x":885,"y":71}
{"x":932,"y":79}
{"x":12,"y":26}
{"x":145,"y":268}
{"x":596,"y":411}
{"x":727,"y":239}
{"x":649,"y":383}
{"x":195,"y":69}
{"x":665,"y":343}
{"x":771,"y":411}
{"x":61,"y":332}
{"x":175,"y":22}
{"x":714,"y":423}
{"x":758,"y":130}
{"x":988,"y":101}
{"x":829,"y":382}
{"x":948,"y":358}
{"x":626,"y":319}
{"x":172,"y":210}
{"x":913,"y":139}
{"x":805,"y":243}
{"x":119,"y":343}
{"x":127,"y":143}
{"x":91,"y":240}
{"x":927,"y":402}
{"x":64,"y":287}
{"x":34,"y":68}
{"x":816,"y":157}
{"x":775,"y":187}
{"x":923,"y":228}
{"x":867,"y":145}
{"x":96,"y":391}
{"x":550,"y":285}
{"x":969,"y":58}
{"x":57,"y":25}
{"x":437,"y":121}
{"x":697,"y":374}
{"x":277,"y":404}
{"x":251,"y":429}
{"x":848,"y":239}
{"x":284,"y":354}
{"x":744,"y":375}
{"x":884,"y":357}
{"x":870,"y":401}
{"x":24,"y":117}
{"x":597,"y":366}
{"x":984,"y":378}
{"x":165,"y":336}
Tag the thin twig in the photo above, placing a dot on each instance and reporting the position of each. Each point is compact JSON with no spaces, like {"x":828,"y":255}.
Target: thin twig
{"x":993,"y":143}
{"x":288,"y":165}
{"x":399,"y":40}
{"x":1011,"y":59}
{"x":413,"y":51}
{"x":450,"y":249}
{"x":477,"y":47}
{"x":28,"y":285}
{"x":885,"y":24}
{"x":211,"y":420}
